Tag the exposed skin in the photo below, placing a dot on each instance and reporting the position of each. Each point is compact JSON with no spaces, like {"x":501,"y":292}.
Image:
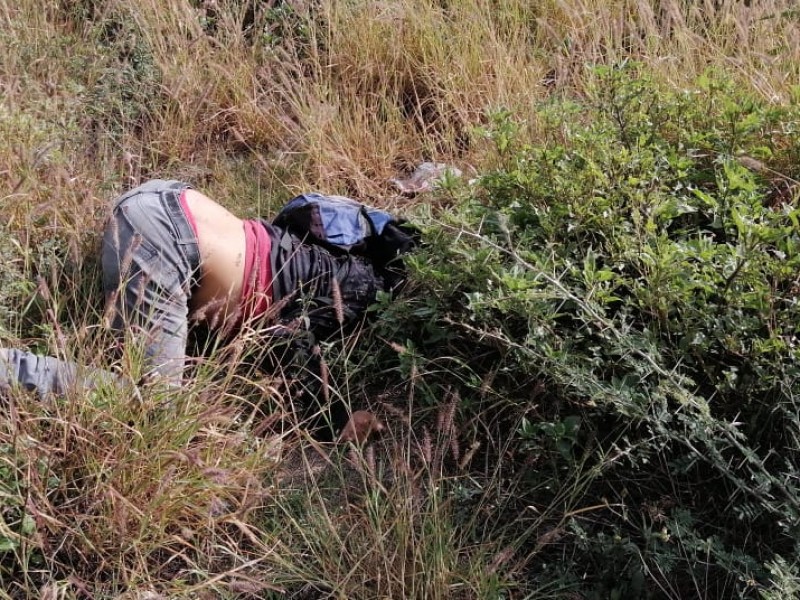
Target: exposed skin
{"x":221,"y":239}
{"x":360,"y":427}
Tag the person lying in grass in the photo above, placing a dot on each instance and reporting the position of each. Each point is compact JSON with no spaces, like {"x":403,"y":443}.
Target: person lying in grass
{"x":171,"y":255}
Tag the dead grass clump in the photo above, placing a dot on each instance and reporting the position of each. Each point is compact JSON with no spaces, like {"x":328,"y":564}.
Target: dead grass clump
{"x":389,"y":519}
{"x":113,"y":492}
{"x":677,"y":40}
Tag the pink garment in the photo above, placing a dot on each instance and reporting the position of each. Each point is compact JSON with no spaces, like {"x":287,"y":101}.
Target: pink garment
{"x":257,"y":286}
{"x":187,"y":212}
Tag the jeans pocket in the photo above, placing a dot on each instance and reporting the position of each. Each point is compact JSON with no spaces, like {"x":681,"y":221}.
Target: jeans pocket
{"x":125,"y":250}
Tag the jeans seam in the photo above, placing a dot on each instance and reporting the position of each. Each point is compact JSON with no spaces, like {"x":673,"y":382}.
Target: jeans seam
{"x":186,"y":240}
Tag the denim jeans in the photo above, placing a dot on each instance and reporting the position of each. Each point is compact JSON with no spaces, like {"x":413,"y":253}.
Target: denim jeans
{"x":150,"y":261}
{"x":46,"y":375}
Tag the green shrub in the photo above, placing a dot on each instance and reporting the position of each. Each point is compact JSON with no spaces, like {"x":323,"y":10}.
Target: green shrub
{"x":622,"y":295}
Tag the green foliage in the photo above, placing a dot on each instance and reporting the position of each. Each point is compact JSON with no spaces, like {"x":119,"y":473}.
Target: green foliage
{"x":624,"y":290}
{"x":125,"y":86}
{"x":13,"y":286}
{"x":269,"y":27}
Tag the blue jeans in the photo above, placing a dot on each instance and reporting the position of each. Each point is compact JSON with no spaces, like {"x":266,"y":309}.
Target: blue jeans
{"x":150,"y":261}
{"x":46,"y":375}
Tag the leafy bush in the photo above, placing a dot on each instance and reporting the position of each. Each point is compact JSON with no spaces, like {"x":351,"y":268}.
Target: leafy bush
{"x":621,"y":297}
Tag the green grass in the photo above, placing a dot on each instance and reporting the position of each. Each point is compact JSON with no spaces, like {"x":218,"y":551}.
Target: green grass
{"x":589,"y":385}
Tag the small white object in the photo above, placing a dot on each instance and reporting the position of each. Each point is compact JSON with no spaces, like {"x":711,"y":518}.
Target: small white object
{"x":425,"y":178}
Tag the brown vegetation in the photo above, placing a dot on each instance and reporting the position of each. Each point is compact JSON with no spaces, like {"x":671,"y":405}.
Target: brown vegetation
{"x":253,"y":101}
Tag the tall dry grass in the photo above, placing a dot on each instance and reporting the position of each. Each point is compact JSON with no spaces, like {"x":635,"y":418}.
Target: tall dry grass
{"x":340,"y":95}
{"x":253,"y":101}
